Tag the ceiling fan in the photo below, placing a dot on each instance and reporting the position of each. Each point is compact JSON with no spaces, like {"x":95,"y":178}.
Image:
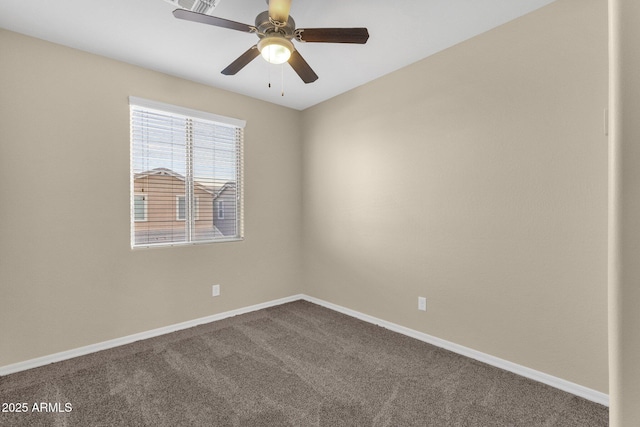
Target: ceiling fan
{"x":276,"y":30}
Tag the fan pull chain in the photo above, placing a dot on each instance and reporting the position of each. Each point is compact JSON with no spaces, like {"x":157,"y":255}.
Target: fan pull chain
{"x":282,"y":75}
{"x":269,"y":74}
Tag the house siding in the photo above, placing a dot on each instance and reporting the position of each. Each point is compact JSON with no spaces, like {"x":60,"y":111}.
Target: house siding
{"x":162,"y":223}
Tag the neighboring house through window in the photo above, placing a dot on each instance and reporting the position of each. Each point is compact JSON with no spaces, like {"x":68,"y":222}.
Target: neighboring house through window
{"x":186,"y":175}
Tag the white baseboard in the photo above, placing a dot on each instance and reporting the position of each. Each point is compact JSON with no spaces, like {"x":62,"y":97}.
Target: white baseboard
{"x":81,"y":351}
{"x":559,"y":383}
{"x":576,"y":389}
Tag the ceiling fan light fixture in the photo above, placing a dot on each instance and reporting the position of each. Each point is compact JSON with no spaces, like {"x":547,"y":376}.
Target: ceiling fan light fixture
{"x":275,"y":49}
{"x":275,"y":29}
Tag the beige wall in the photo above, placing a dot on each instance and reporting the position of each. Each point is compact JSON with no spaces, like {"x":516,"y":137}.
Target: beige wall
{"x":65,"y":282}
{"x":624,"y":204}
{"x":478,"y":179}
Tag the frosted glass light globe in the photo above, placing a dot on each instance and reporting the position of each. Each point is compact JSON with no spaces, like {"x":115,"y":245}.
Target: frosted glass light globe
{"x":275,"y":49}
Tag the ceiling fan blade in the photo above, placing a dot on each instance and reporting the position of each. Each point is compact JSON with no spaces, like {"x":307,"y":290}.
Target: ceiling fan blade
{"x":242,"y":61}
{"x":333,"y":35}
{"x":301,"y":67}
{"x":211,"y":20}
{"x":279,"y":10}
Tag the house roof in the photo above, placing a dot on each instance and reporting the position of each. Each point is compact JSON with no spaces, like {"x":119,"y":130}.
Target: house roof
{"x":224,"y":187}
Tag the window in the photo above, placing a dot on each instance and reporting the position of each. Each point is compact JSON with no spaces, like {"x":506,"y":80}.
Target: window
{"x":220,"y":209}
{"x":181,"y":206}
{"x":139,"y":207}
{"x":184,"y":164}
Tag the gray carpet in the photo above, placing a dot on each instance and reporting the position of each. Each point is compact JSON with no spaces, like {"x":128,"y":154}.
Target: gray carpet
{"x":297,"y":364}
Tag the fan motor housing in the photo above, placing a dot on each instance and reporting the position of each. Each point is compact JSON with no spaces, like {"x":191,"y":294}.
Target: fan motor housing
{"x":265,"y":26}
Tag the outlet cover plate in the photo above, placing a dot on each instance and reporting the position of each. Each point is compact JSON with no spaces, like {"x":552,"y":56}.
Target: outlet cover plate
{"x":422,"y":304}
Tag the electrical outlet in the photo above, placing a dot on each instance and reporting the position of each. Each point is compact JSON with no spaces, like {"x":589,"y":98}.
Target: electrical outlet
{"x":422,"y":304}
{"x":215,"y":290}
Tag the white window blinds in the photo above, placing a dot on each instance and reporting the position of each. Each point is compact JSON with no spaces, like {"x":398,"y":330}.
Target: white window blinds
{"x":185,"y":164}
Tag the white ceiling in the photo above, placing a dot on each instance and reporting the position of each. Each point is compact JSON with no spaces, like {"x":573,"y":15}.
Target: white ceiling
{"x":145,"y":33}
